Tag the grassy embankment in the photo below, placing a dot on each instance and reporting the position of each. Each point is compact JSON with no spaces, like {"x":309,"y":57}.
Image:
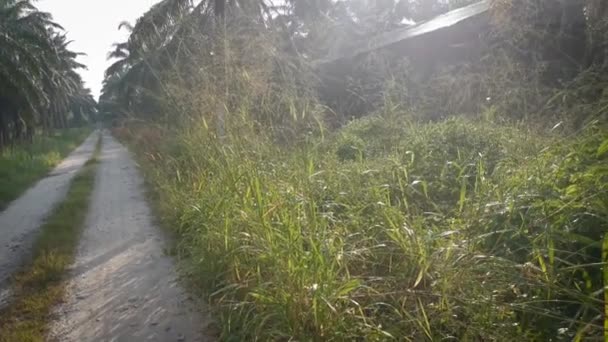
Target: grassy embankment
{"x":22,"y":165}
{"x":40,"y":285}
{"x":391,"y":229}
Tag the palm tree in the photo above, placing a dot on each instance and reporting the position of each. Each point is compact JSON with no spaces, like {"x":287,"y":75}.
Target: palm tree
{"x":163,"y":39}
{"x":38,"y":79}
{"x":131,"y":73}
{"x":23,"y":35}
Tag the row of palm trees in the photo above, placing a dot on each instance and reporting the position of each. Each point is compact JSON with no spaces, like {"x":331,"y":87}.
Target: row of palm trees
{"x":172,"y":32}
{"x":40,"y":88}
{"x":134,"y":80}
{"x":166,"y":35}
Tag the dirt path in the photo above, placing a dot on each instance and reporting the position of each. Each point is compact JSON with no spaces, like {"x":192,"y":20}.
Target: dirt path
{"x":22,"y":218}
{"x":123,"y":288}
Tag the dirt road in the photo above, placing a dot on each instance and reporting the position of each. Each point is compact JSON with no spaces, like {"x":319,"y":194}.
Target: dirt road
{"x":20,"y":221}
{"x":123,"y":287}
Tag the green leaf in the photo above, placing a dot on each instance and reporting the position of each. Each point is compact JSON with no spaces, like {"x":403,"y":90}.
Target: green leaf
{"x":348,"y":287}
{"x":603,"y":149}
{"x":572,"y":190}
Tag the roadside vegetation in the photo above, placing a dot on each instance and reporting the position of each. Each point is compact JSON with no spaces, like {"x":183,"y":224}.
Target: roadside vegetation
{"x":41,"y":284}
{"x":392,"y":230}
{"x":42,"y":97}
{"x":40,"y":88}
{"x":23,"y":164}
{"x":369,"y":200}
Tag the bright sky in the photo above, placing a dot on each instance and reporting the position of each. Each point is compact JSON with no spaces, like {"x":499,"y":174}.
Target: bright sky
{"x":93,"y":26}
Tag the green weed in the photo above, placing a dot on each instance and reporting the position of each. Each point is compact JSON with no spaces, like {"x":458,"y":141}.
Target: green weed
{"x":391,"y":229}
{"x":22,"y":165}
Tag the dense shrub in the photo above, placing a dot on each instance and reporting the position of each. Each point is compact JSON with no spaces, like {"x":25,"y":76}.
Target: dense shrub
{"x":460,"y":229}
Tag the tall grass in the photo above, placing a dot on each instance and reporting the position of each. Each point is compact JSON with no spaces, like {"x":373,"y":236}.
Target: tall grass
{"x":22,"y":165}
{"x":391,"y":229}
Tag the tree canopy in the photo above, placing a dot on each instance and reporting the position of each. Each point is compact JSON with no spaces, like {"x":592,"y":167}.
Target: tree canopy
{"x":174,"y":34}
{"x":39,"y":83}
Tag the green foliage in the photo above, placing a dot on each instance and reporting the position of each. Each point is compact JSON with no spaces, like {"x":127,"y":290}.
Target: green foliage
{"x":402,"y":224}
{"x":39,"y":86}
{"x":350,"y":148}
{"x":456,"y":228}
{"x":22,"y":165}
{"x":552,"y":214}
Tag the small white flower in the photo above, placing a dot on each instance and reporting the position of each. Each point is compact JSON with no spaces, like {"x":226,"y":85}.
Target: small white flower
{"x":313,"y":287}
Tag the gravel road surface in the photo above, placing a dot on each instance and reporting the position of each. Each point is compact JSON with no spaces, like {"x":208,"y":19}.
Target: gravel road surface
{"x":122,"y":286}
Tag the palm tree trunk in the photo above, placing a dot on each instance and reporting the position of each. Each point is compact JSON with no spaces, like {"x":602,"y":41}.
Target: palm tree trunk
{"x":18,"y":127}
{"x":3,"y":131}
{"x":220,"y":8}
